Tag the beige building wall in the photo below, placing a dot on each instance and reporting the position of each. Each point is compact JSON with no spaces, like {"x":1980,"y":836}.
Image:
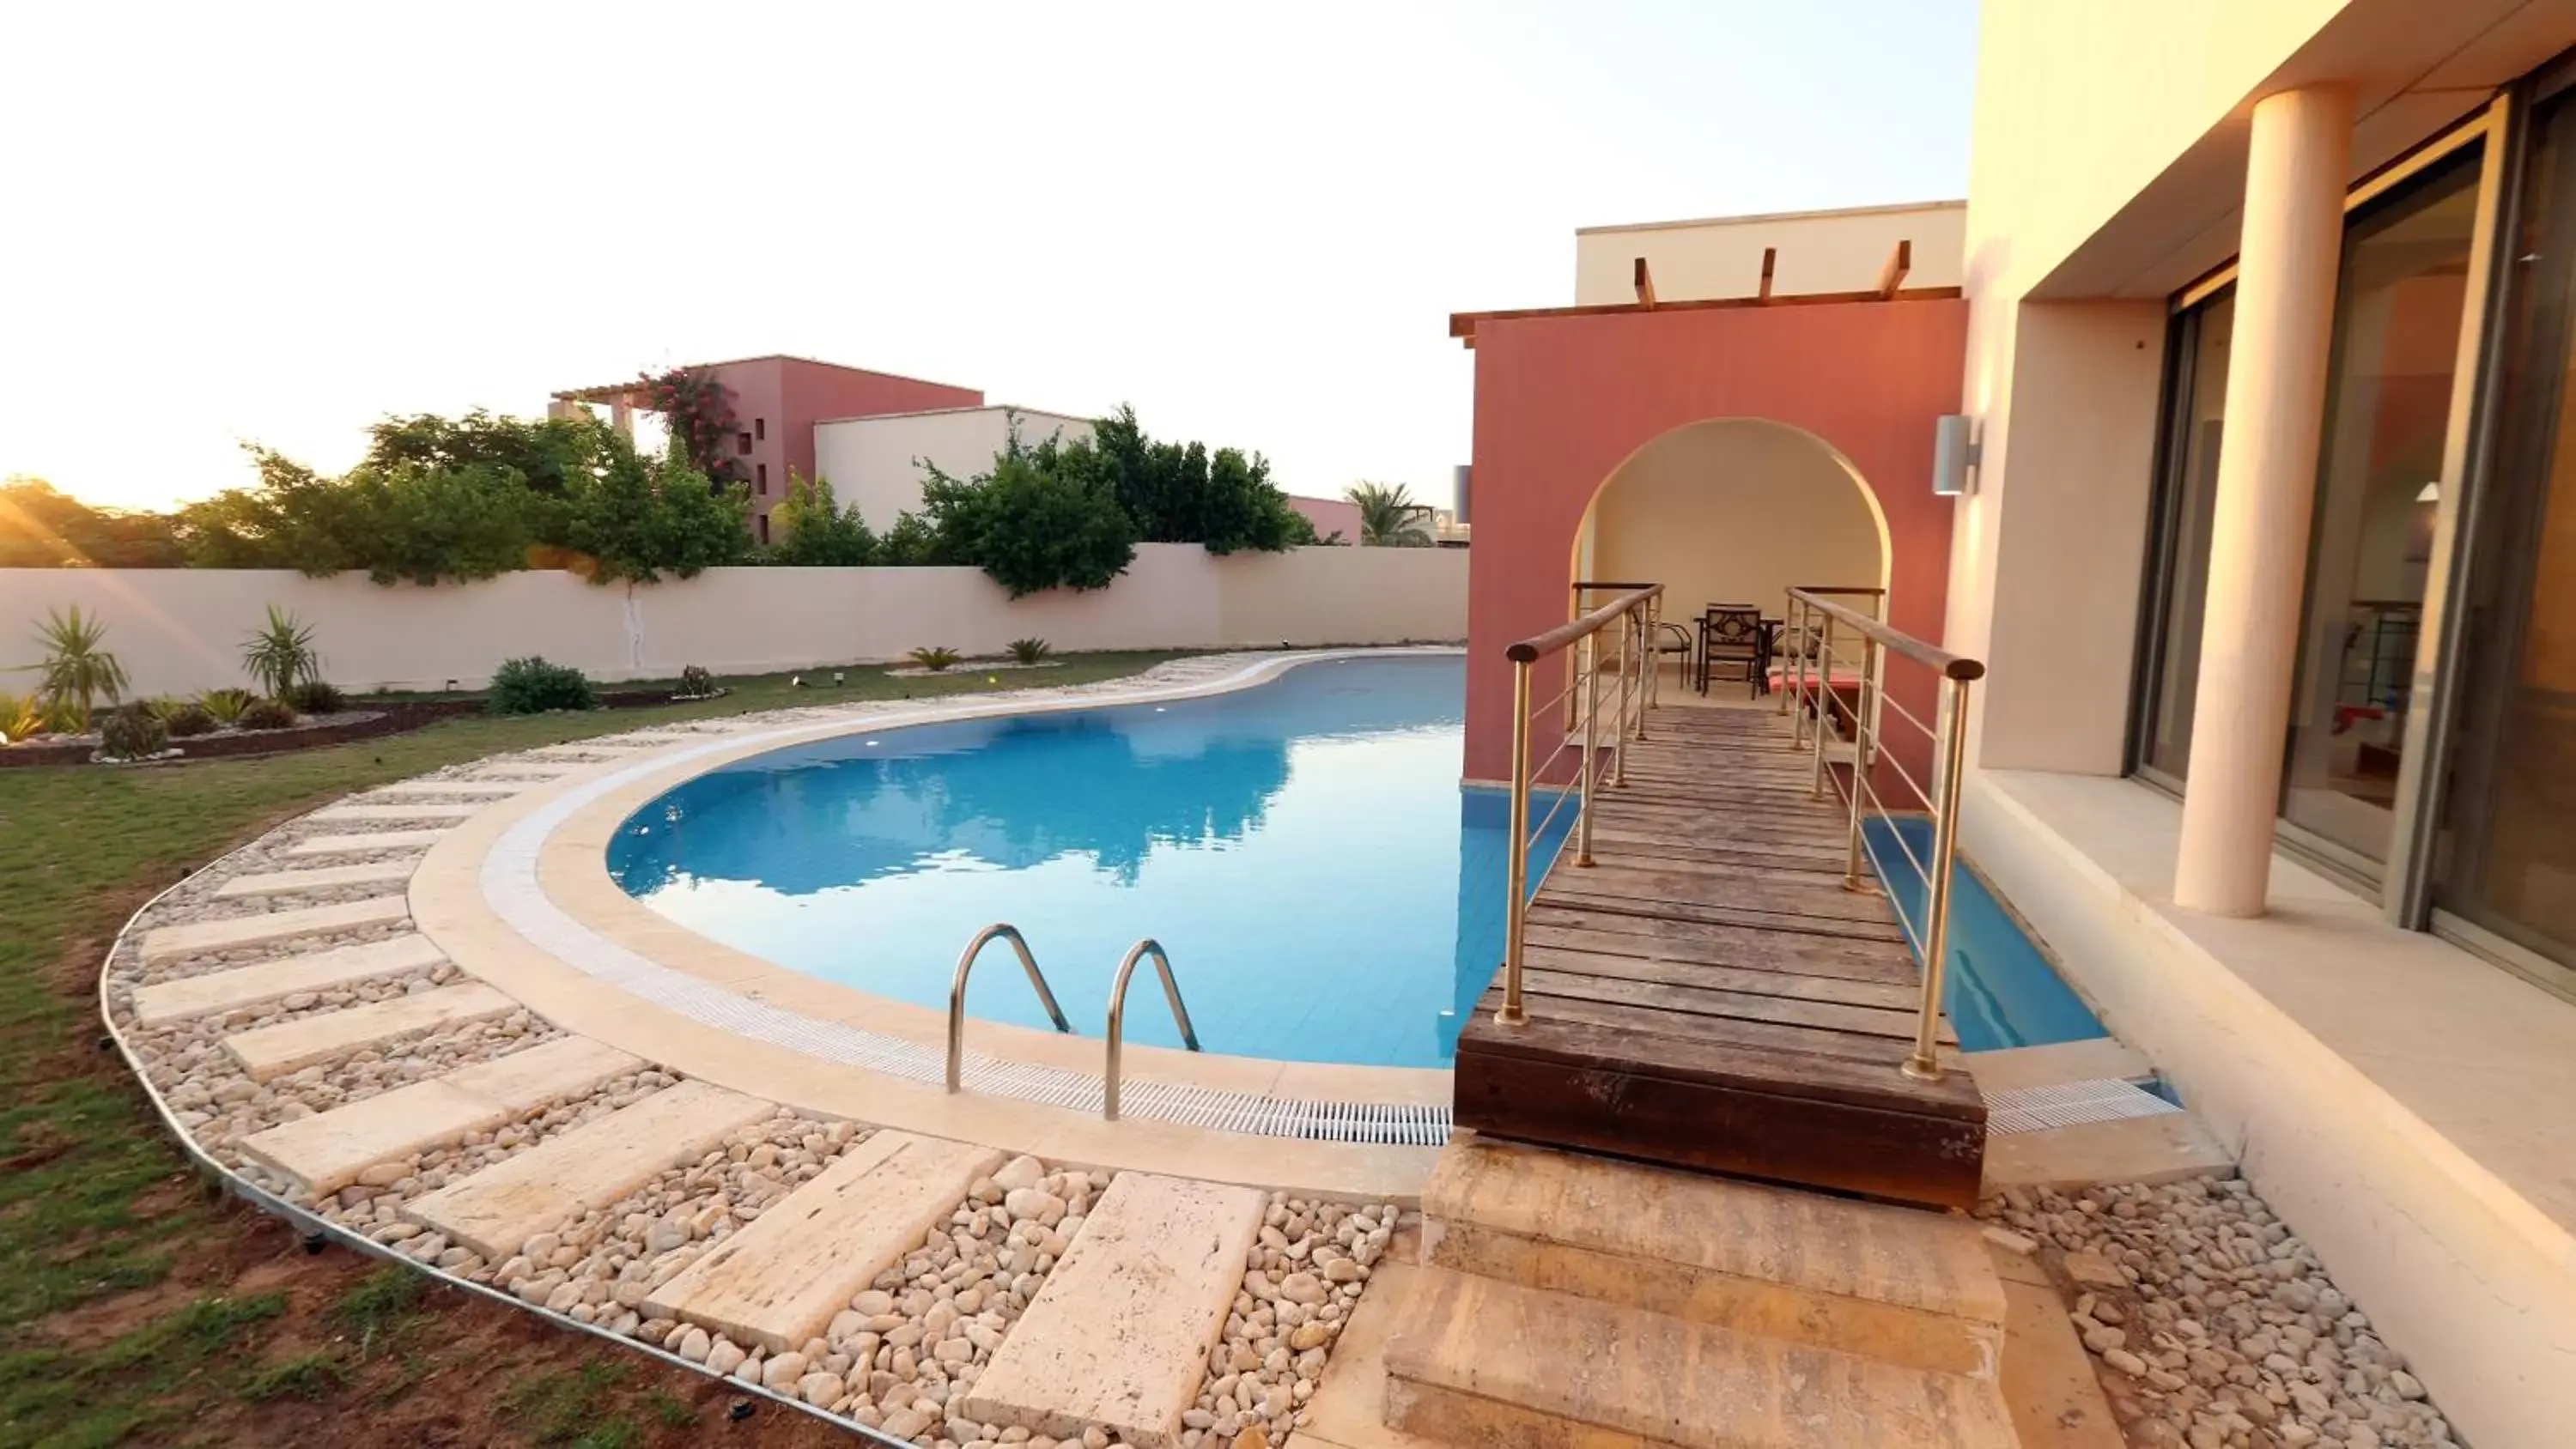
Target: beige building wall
{"x":1819,"y":251}
{"x":876,"y":462}
{"x":1734,"y":512}
{"x":179,"y":631}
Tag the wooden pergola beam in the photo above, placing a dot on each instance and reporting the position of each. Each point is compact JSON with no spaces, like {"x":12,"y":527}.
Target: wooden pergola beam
{"x":1644,"y":280}
{"x":1892,"y":276}
{"x":1770,"y":259}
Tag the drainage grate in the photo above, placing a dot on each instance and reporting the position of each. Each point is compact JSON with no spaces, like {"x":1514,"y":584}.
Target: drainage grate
{"x":2070,"y":1104}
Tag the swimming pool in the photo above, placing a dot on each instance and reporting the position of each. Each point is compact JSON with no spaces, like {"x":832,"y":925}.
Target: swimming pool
{"x":1303,"y":850}
{"x":2001,"y":990}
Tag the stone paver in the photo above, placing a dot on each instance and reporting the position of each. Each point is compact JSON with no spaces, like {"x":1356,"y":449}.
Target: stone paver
{"x":376,"y":840}
{"x":273,"y":1051}
{"x":426,"y":810}
{"x":320,"y":878}
{"x":268,"y":981}
{"x":164,"y":943}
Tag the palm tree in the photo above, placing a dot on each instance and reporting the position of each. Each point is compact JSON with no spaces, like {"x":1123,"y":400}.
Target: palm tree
{"x":1389,"y":518}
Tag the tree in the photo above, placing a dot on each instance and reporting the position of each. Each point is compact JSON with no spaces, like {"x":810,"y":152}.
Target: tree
{"x":816,"y":530}
{"x":42,"y":527}
{"x":635,"y":521}
{"x":1043,"y":518}
{"x":546,"y":453}
{"x":1182,"y":493}
{"x":1389,"y":518}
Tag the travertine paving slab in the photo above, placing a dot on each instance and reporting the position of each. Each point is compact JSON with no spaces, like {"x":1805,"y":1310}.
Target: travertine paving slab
{"x":327,"y":1151}
{"x":378,"y":840}
{"x":460,"y":789}
{"x":778,"y":1282}
{"x":320,"y":878}
{"x":1119,"y":1336}
{"x":534,"y":770}
{"x":501,"y":1207}
{"x":268,"y":981}
{"x":426,"y":810}
{"x":165,"y":942}
{"x":273,"y":1051}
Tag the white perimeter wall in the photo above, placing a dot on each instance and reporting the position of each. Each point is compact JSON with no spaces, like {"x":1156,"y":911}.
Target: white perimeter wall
{"x":876,"y":462}
{"x":178,"y":631}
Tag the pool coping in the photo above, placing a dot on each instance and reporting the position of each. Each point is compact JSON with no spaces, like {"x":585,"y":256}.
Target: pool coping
{"x":521,"y":886}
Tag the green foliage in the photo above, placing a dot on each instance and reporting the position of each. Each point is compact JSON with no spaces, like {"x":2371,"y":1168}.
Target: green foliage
{"x":280,"y":655}
{"x":132,"y":732}
{"x":547,"y":454}
{"x":815,"y":531}
{"x":381,"y":1307}
{"x":395,"y":522}
{"x":637,"y":520}
{"x":1182,"y":493}
{"x":913,"y":542}
{"x":189,"y":721}
{"x":698,"y":411}
{"x":226,"y":705}
{"x":1044,"y":518}
{"x":76,"y":673}
{"x":1030,"y":651}
{"x":695,"y":683}
{"x":1389,"y":518}
{"x":42,"y":527}
{"x":313,"y":1375}
{"x":532,"y":686}
{"x":316,"y":696}
{"x":935,"y":658}
{"x":21,"y":715}
{"x":266,"y":714}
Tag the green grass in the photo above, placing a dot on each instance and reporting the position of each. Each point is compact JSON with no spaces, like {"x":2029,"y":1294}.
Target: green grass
{"x":376,"y":1312}
{"x":94,"y":1199}
{"x":574,"y":1408}
{"x":314,"y":1375}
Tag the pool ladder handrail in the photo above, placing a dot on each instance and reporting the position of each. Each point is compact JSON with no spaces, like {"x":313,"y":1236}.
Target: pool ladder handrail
{"x":1118,"y":1015}
{"x":999,"y":930}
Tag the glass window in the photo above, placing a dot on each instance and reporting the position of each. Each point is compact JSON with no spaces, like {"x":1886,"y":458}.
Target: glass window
{"x":2399,"y":303}
{"x":2506,"y":856}
{"x":2196,"y":398}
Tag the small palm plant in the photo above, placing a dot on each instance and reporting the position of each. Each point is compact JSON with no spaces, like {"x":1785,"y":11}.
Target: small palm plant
{"x":936,"y":658}
{"x":1030,"y":651}
{"x":280,"y":656}
{"x":76,"y":672}
{"x":1389,"y":518}
{"x":226,"y":705}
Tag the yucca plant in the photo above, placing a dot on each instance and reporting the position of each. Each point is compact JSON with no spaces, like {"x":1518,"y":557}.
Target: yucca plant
{"x":280,"y":655}
{"x":76,"y":672}
{"x":21,"y":717}
{"x":935,"y":658}
{"x":226,"y":705}
{"x":1030,"y":651}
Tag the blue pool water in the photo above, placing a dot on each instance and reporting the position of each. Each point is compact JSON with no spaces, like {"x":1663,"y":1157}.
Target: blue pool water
{"x":1326,"y":889}
{"x":2000,"y":990}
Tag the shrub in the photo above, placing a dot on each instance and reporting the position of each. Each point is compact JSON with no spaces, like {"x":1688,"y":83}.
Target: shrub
{"x":1043,"y":518}
{"x":226,"y":705}
{"x":189,"y":721}
{"x":267,"y":714}
{"x":1030,"y":651}
{"x":695,"y":683}
{"x":935,"y":658}
{"x":316,"y":696}
{"x":280,"y":655}
{"x":131,"y":733}
{"x":533,"y":686}
{"x":76,"y":672}
{"x":21,"y":715}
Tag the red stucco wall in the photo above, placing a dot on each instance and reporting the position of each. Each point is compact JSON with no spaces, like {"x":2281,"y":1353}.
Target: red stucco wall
{"x":1562,"y":401}
{"x":791,"y":395}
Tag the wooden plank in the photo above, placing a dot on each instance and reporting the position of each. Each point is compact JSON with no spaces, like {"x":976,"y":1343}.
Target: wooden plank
{"x":1578,"y":953}
{"x":1892,"y":276}
{"x":1694,"y":999}
{"x":1822,"y":958}
{"x":1669,"y":1023}
{"x":1645,"y":283}
{"x":1761,"y":918}
{"x":779,"y":1281}
{"x":1770,"y":259}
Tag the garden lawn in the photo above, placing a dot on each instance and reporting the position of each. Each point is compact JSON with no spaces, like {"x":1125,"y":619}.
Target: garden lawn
{"x":135,"y":1306}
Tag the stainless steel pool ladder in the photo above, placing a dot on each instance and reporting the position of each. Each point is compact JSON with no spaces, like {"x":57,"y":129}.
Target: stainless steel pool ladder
{"x":1118,"y":1015}
{"x":957,"y":996}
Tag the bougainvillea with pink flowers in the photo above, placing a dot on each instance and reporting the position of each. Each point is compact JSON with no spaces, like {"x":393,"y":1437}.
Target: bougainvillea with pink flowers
{"x":699,"y":412}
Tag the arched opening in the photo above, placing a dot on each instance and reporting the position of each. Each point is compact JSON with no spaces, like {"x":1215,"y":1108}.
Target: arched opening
{"x":1734,"y":511}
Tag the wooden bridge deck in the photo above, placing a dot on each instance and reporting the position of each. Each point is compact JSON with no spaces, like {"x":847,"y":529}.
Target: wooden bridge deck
{"x":1707,"y":995}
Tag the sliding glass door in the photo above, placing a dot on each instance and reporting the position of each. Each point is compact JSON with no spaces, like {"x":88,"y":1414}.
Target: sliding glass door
{"x":2196,"y":396}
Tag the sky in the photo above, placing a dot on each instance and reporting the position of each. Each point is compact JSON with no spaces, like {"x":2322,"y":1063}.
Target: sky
{"x":277,"y":224}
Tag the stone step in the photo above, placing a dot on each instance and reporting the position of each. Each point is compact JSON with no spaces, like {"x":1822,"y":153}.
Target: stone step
{"x":593,"y":1165}
{"x":272,"y":1051}
{"x":1118,"y":1337}
{"x":377,"y":840}
{"x":1901,"y":1285}
{"x":163,"y":943}
{"x":319,"y":878}
{"x":268,"y":981}
{"x":424,"y":811}
{"x":458,"y":789}
{"x":326,"y":1152}
{"x":1482,"y":1364}
{"x":779,"y":1281}
{"x":2101,"y":1058}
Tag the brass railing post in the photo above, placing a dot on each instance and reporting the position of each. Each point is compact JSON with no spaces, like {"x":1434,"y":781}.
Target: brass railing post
{"x":1645,"y":662}
{"x":1591,"y":647}
{"x":1824,"y":705}
{"x":1517,"y":906}
{"x":1862,"y":735}
{"x":1619,"y":763}
{"x":1798,"y":721}
{"x":1925,"y":1064}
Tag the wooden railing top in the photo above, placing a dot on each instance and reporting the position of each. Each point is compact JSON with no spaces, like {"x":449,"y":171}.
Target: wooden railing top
{"x":1894,"y":641}
{"x":1539,"y":646}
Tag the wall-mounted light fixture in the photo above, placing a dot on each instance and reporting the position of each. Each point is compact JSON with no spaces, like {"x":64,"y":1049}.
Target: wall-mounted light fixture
{"x":1955,"y":453}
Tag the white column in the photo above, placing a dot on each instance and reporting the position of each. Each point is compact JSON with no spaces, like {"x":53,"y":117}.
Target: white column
{"x":2267,"y":478}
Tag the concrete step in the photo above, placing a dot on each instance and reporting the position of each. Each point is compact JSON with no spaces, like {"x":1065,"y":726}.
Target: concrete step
{"x":319,"y":878}
{"x":453,"y":789}
{"x":272,"y":1051}
{"x":1481,"y":1364}
{"x":326,"y":1152}
{"x":778,"y":1282}
{"x":1118,"y":1338}
{"x":378,"y":840}
{"x":427,"y":810}
{"x":1899,"y":1285}
{"x":164,"y":943}
{"x":2058,"y":1063}
{"x":504,"y":1205}
{"x":267,"y":981}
